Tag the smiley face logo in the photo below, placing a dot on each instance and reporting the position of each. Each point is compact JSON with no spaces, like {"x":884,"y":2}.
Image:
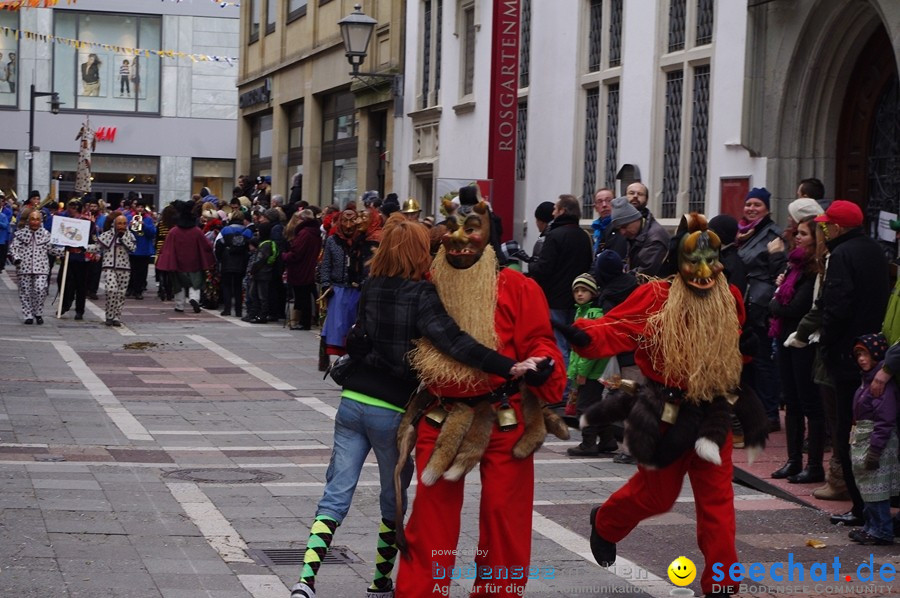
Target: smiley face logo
{"x":682,"y":571}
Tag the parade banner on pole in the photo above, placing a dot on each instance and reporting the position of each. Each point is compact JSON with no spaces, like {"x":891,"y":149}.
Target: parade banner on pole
{"x":70,"y":232}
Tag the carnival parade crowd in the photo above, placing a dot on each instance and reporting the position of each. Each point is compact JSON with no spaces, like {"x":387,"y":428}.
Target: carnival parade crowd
{"x":445,"y":349}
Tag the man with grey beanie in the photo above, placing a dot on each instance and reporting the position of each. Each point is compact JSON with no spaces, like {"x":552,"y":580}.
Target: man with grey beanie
{"x":648,"y":242}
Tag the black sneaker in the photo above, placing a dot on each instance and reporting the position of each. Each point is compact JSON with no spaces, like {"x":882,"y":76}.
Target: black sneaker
{"x":624,"y":459}
{"x":109,"y":322}
{"x":79,"y":316}
{"x":195,"y":305}
{"x":139,"y":297}
{"x":29,"y":321}
{"x":39,"y":319}
{"x":225,"y":313}
{"x":583,"y":451}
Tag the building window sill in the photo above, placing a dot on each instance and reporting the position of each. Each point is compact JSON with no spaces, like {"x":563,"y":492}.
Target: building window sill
{"x":465,"y":107}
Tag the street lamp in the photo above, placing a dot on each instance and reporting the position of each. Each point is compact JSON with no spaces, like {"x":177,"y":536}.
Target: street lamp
{"x":356,"y":29}
{"x":54,"y":109}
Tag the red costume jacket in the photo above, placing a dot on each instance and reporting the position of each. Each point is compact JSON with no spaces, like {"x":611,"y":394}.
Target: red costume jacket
{"x":522,"y":321}
{"x":623,"y":328}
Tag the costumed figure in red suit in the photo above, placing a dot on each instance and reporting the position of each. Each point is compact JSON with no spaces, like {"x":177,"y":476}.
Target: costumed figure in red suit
{"x":685,"y":334}
{"x":467,"y":418}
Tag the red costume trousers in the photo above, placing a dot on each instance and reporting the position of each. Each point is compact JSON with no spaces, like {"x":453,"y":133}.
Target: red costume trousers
{"x":504,"y":538}
{"x":653,"y":492}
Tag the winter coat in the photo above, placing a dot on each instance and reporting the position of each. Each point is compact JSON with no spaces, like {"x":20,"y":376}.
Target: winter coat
{"x":261,"y":269}
{"x":854,"y":299}
{"x":647,"y":251}
{"x":31,"y":249}
{"x":567,"y":252}
{"x":881,"y":411}
{"x":300,"y":259}
{"x":797,"y":307}
{"x":232,"y":249}
{"x":186,"y":250}
{"x":735,"y":270}
{"x":338,"y":265}
{"x":114,"y":249}
{"x":591,"y":369}
{"x":761,"y":268}
{"x":4,"y":229}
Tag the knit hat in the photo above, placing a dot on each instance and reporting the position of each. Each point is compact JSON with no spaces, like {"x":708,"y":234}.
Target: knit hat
{"x":875,"y":344}
{"x":803,"y":208}
{"x":760,"y":193}
{"x":725,"y":226}
{"x":585,"y":280}
{"x":544,"y":212}
{"x":607,"y":266}
{"x":623,"y":213}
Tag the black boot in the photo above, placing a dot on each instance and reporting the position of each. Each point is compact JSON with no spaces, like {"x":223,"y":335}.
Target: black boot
{"x":588,"y":446}
{"x":814,"y":472}
{"x":607,"y":443}
{"x":794,"y":436}
{"x":604,"y":551}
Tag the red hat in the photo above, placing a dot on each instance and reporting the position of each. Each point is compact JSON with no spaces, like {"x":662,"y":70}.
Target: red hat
{"x":844,"y":213}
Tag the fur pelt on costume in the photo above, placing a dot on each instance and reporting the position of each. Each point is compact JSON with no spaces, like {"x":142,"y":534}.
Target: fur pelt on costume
{"x":702,"y":427}
{"x":464,"y":437}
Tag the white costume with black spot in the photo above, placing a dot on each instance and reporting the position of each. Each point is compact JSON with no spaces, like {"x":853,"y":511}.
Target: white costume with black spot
{"x":117,"y":266}
{"x":30,"y":250}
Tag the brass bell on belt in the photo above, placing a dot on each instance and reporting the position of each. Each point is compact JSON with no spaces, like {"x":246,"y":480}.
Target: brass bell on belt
{"x":436,"y":416}
{"x":506,"y":417}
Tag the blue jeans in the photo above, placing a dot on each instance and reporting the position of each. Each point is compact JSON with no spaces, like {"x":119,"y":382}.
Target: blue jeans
{"x":878,"y":519}
{"x":563,"y":316}
{"x":357,"y":429}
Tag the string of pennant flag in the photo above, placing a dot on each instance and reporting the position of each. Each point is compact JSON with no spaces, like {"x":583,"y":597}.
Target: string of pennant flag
{"x":81,"y":44}
{"x":17,"y":4}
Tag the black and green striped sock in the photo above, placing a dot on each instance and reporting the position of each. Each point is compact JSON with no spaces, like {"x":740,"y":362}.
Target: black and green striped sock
{"x":320,"y":536}
{"x":385,"y":555}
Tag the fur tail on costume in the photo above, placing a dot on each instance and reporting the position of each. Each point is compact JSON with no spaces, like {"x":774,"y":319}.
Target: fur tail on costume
{"x":474,"y":444}
{"x":614,"y":407}
{"x":535,"y":426}
{"x":642,"y":433}
{"x":750,"y":412}
{"x":453,"y":431}
{"x":713,"y":430}
{"x":406,"y":440}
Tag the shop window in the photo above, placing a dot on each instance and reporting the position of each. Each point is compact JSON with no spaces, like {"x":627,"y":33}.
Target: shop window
{"x":9,"y":64}
{"x":8,"y":173}
{"x":217,"y":175}
{"x":295,"y":147}
{"x":261,"y":145}
{"x":339,"y":150}
{"x":108,"y":77}
{"x":112,"y":177}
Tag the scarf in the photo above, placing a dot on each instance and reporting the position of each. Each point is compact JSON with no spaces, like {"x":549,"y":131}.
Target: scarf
{"x":745,"y":230}
{"x":784,"y":294}
{"x":599,"y":225}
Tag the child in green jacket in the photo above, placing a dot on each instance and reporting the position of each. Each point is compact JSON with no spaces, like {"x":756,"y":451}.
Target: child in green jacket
{"x":586,"y":373}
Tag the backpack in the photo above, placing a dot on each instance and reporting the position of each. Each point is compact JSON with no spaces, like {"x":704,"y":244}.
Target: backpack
{"x":236,"y":243}
{"x":274,"y":256}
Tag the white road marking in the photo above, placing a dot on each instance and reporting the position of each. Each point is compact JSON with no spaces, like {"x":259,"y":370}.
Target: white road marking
{"x":287,"y":447}
{"x":569,"y":540}
{"x":121,"y":417}
{"x":231,"y":358}
{"x":222,"y":432}
{"x":319,"y":405}
{"x":217,"y":531}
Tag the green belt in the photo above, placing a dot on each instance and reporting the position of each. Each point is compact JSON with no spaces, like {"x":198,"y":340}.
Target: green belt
{"x":367,"y":400}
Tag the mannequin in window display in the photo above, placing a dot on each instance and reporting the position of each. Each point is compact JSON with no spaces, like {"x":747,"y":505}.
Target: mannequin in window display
{"x":125,"y":78}
{"x":135,"y":76}
{"x":90,"y":76}
{"x":2,"y":70}
{"x":11,"y":68}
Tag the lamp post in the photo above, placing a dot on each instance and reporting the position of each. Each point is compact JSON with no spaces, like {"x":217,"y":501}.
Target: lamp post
{"x":356,"y":29}
{"x":54,"y":109}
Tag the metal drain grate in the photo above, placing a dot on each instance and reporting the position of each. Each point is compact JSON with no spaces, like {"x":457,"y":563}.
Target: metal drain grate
{"x":337,"y":555}
{"x":223,"y":475}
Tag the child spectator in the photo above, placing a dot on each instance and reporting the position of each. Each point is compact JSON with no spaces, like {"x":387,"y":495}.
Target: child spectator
{"x":586,"y":374}
{"x":873,"y":445}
